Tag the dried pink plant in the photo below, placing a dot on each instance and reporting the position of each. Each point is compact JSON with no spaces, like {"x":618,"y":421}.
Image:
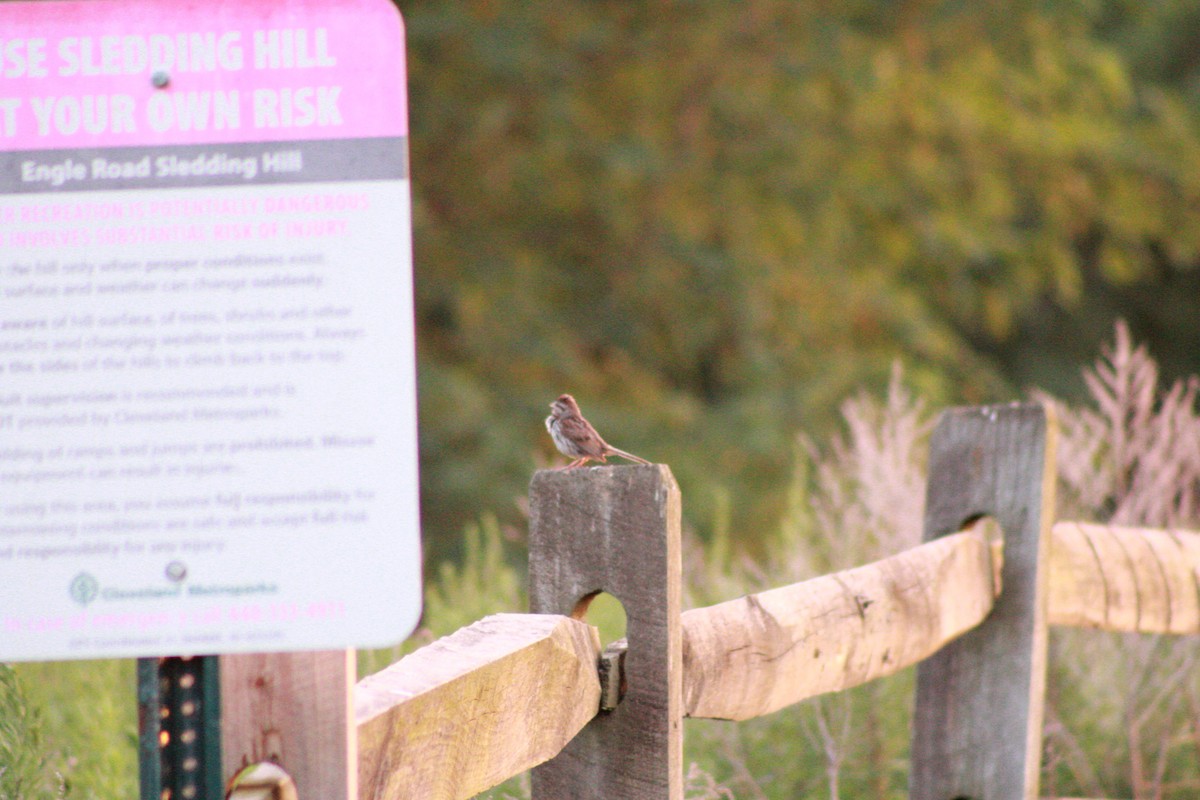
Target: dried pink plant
{"x":868,"y":499}
{"x":1132,"y":458}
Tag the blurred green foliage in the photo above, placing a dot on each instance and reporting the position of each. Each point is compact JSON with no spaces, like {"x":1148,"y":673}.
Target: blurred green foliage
{"x":713,"y":220}
{"x":81,"y":717}
{"x":25,"y":765}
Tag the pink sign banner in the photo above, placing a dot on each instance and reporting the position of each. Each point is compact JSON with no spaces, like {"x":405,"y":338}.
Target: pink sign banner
{"x":149,"y":72}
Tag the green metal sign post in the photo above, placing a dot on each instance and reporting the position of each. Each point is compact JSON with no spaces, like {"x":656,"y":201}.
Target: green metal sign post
{"x":179,"y":728}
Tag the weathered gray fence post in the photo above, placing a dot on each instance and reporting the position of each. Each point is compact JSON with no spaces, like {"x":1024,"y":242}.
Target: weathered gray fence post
{"x":615,"y":529}
{"x":977,"y":731}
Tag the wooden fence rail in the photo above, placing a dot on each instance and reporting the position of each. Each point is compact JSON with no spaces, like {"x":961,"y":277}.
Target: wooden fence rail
{"x":514,"y":691}
{"x":520,"y":686}
{"x":1136,"y":580}
{"x":765,"y":651}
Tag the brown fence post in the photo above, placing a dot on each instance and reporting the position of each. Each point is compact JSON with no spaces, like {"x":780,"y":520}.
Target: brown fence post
{"x":615,"y":529}
{"x":294,"y":710}
{"x":977,"y":730}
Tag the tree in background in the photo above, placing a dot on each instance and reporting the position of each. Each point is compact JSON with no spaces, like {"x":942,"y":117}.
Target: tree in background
{"x":710,"y":221}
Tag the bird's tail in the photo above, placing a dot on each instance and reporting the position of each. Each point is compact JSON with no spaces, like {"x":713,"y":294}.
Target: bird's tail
{"x":628,"y":456}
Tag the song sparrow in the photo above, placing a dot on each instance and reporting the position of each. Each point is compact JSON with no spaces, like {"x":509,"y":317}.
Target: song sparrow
{"x":575,"y":437}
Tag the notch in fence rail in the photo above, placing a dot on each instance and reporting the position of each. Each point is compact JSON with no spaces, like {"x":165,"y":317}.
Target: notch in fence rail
{"x":616,"y":530}
{"x":977,"y":730}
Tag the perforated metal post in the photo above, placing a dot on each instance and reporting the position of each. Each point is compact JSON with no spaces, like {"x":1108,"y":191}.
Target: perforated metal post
{"x":179,"y":728}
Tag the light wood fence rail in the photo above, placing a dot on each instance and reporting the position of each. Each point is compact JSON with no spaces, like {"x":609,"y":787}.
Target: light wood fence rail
{"x":519,"y":691}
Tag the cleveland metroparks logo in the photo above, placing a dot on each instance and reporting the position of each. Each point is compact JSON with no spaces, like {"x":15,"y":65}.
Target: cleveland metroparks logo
{"x":84,"y":588}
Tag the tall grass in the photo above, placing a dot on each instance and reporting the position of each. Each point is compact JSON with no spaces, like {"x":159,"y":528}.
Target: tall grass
{"x":81,"y":718}
{"x":27,"y":769}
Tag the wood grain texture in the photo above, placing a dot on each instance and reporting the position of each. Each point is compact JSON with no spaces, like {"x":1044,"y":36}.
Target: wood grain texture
{"x":475,"y":708}
{"x":1125,"y":579}
{"x":978,"y":718}
{"x":616,"y":529}
{"x":292,"y":709}
{"x":765,"y":651}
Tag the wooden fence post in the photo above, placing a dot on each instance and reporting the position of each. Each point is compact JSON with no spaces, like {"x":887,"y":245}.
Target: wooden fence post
{"x":615,"y":529}
{"x":294,"y":710}
{"x":977,"y":731}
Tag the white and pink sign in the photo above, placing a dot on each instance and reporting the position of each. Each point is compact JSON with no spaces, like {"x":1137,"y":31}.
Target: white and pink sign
{"x":207,"y":370}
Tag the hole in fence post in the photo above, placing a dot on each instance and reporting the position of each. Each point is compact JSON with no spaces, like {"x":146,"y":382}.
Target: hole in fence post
{"x":991,"y":531}
{"x":264,"y":781}
{"x":605,"y":613}
{"x":993,"y":534}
